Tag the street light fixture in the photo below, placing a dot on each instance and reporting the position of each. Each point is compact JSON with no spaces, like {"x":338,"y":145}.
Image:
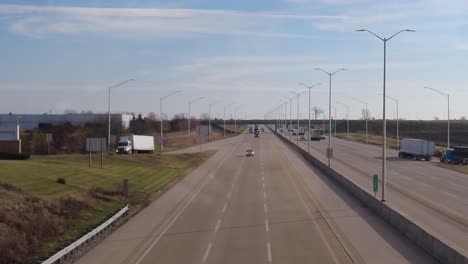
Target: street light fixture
{"x":384,"y":126}
{"x":330,"y":150}
{"x":366,"y":117}
{"x":347,"y":117}
{"x":108,"y":109}
{"x":448,"y":112}
{"x":162,"y":118}
{"x":209,"y":118}
{"x":188,"y":115}
{"x":298,"y":94}
{"x":308,"y":132}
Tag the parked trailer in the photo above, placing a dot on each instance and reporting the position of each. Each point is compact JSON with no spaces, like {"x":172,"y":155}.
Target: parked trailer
{"x":416,"y":149}
{"x":135,"y":144}
{"x":457,"y":155}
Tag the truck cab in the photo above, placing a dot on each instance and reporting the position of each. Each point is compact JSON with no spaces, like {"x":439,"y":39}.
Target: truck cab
{"x":124,"y":145}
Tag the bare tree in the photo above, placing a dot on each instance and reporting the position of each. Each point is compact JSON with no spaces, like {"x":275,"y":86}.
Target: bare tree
{"x":463,"y":118}
{"x":436,"y":118}
{"x":317,"y":111}
{"x":204,"y":116}
{"x":366,"y":114}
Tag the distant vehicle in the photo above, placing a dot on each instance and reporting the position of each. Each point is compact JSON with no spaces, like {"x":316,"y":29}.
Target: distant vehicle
{"x":263,"y":130}
{"x":316,"y":135}
{"x":301,"y":131}
{"x":457,"y":155}
{"x":290,"y":128}
{"x":249,"y":152}
{"x":416,"y":149}
{"x":135,"y":144}
{"x":251,"y":128}
{"x":302,"y":137}
{"x":257,"y":133}
{"x":294,"y":132}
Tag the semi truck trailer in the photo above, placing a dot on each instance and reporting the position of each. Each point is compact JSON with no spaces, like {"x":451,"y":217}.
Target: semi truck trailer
{"x":416,"y":149}
{"x":135,"y":144}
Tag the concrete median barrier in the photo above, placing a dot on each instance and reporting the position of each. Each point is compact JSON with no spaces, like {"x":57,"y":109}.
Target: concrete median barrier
{"x":442,"y":251}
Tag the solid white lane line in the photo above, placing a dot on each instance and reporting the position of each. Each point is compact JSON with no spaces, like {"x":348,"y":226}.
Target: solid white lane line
{"x":452,"y":195}
{"x":217,"y":225}
{"x":269,"y":252}
{"x":267,"y":227}
{"x":224,"y":208}
{"x":207,"y":253}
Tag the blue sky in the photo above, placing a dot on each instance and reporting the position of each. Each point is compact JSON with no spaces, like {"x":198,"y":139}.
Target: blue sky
{"x":59,"y":55}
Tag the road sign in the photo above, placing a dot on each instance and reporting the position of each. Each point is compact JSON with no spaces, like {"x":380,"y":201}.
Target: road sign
{"x":376,"y":184}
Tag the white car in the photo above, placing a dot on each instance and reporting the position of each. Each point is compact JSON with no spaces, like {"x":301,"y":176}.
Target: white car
{"x":249,"y":152}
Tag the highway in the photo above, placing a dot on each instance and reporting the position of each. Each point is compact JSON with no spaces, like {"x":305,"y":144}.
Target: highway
{"x":270,"y":208}
{"x":433,"y":197}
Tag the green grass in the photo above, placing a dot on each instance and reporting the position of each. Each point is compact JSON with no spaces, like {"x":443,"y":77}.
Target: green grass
{"x":457,"y":168}
{"x":146,"y":174}
{"x":372,"y":139}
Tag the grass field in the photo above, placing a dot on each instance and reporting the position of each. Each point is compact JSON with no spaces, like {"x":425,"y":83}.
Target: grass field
{"x":94,"y":188}
{"x":458,"y":168}
{"x":372,"y":139}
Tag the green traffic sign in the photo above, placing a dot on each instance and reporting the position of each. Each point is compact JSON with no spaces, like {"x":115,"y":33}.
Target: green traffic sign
{"x":376,"y":183}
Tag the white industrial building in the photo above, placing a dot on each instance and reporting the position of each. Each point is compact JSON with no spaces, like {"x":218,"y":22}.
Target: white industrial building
{"x":32,"y":121}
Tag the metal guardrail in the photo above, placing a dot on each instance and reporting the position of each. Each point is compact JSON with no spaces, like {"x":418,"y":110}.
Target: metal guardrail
{"x":70,"y":248}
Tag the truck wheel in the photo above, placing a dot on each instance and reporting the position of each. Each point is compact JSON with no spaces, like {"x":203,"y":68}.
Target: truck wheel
{"x":400,"y":155}
{"x":427,"y":158}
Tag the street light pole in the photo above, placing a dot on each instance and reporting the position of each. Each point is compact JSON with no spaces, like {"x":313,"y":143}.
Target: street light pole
{"x":448,"y":112}
{"x":162,"y":119}
{"x":224,"y":119}
{"x":384,"y":126}
{"x":329,"y":150}
{"x":290,"y":114}
{"x":108,"y":109}
{"x":347,"y":117}
{"x":235,"y":118}
{"x":397,"y":120}
{"x":188,"y":115}
{"x":209,"y":118}
{"x":308,"y":132}
{"x":366,"y":116}
{"x":298,"y":94}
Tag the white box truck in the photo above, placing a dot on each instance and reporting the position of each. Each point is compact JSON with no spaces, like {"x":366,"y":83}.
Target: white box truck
{"x":135,"y":144}
{"x":416,"y":149}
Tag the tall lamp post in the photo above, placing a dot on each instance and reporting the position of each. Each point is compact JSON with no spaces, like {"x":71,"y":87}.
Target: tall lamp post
{"x":161,"y":113}
{"x":108,"y":109}
{"x":224,"y":118}
{"x":298,"y":94}
{"x":209,"y":118}
{"x":235,"y":118}
{"x":188,"y":115}
{"x":448,"y":112}
{"x":290,"y":113}
{"x":347,"y":116}
{"x":366,"y":117}
{"x":308,"y":132}
{"x":397,"y":121}
{"x":384,"y":126}
{"x":330,"y":150}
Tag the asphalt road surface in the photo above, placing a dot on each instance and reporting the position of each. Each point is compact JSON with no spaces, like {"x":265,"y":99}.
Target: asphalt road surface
{"x":270,"y":208}
{"x":434,"y":197}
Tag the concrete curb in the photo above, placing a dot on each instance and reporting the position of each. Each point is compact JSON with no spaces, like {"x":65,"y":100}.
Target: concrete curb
{"x":436,"y":248}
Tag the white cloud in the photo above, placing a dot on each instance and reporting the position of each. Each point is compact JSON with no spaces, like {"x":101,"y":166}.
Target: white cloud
{"x":42,"y":20}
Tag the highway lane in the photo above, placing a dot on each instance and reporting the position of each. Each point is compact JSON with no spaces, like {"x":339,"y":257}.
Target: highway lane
{"x":433,"y":196}
{"x":271,"y":208}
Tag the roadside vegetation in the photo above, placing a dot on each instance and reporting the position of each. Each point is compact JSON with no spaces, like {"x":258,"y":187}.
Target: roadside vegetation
{"x":372,"y":139}
{"x":455,"y":167}
{"x":49,"y":201}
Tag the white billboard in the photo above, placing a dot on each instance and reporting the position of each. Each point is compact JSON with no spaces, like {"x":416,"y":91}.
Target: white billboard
{"x":9,"y":133}
{"x":96,"y":144}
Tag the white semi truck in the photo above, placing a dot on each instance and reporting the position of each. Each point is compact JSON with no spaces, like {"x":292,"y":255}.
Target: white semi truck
{"x":135,"y":144}
{"x":416,"y":149}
